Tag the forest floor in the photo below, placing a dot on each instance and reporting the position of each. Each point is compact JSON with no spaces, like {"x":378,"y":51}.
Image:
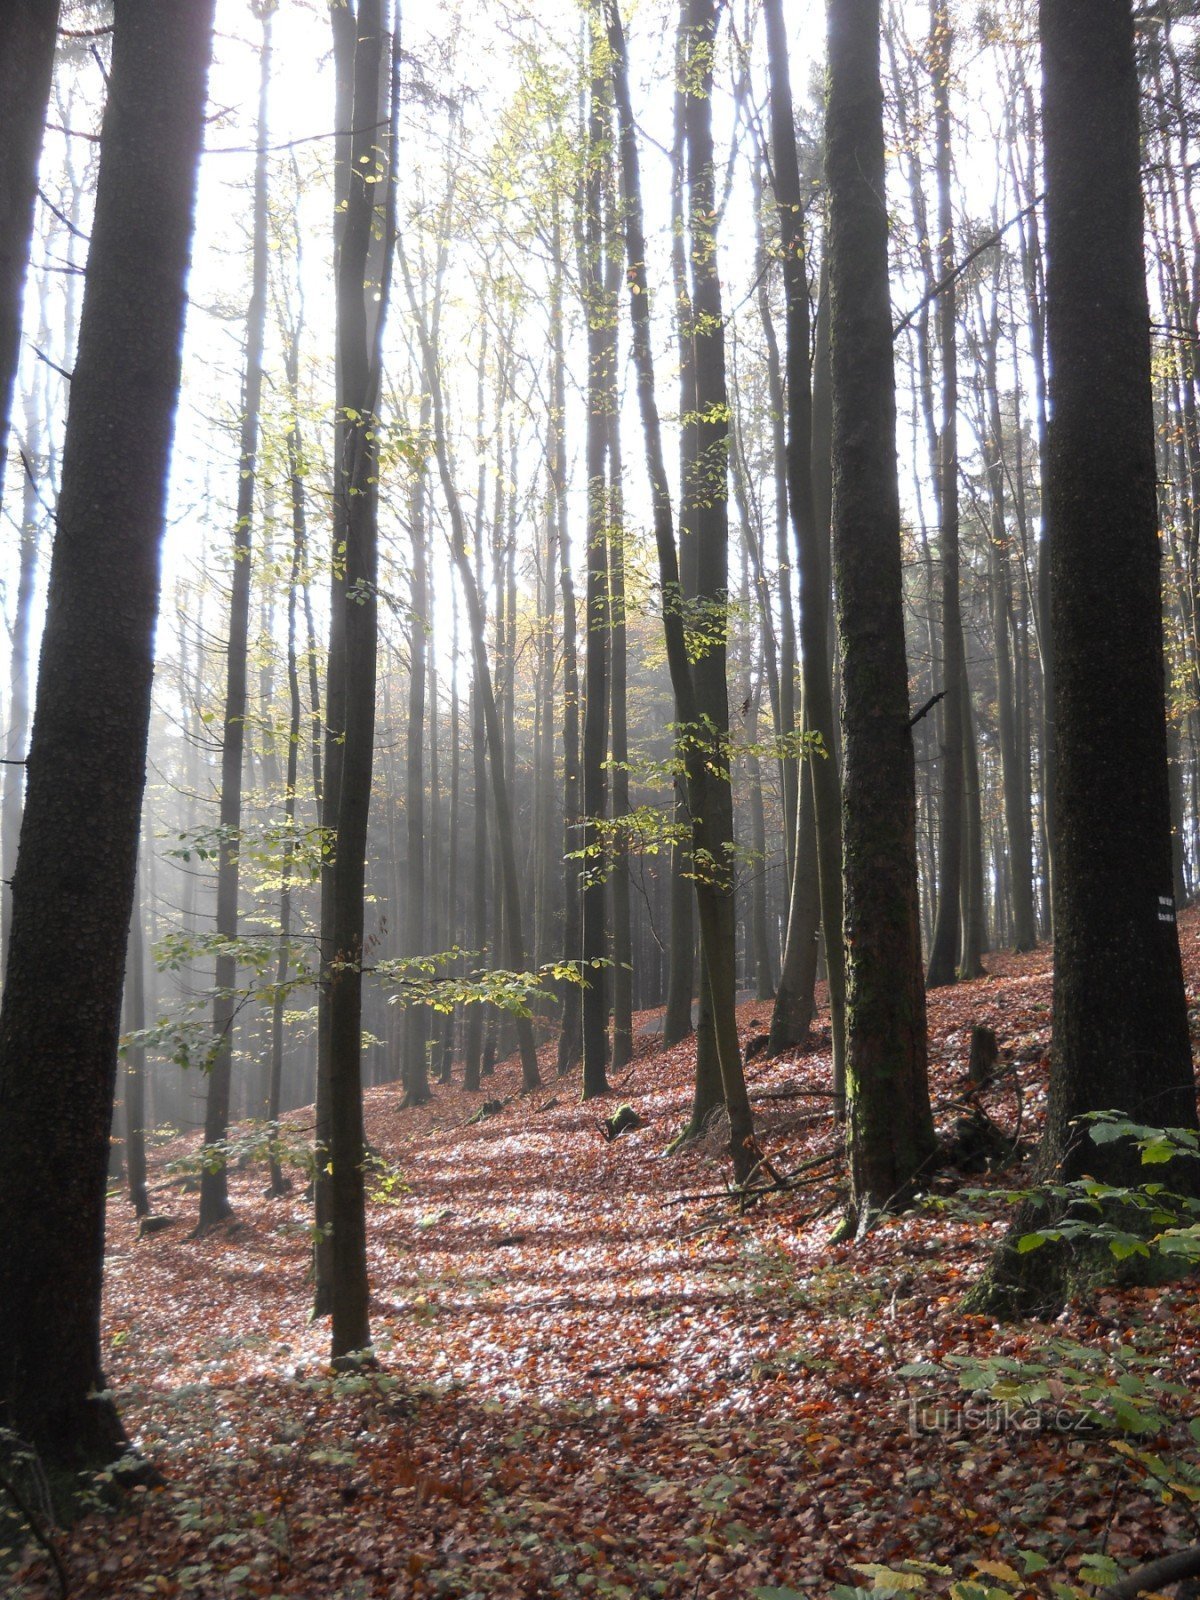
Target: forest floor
{"x":598,"y":1378}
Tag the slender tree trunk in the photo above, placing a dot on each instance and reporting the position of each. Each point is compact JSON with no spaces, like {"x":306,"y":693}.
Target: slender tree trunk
{"x":59,"y":1023}
{"x":510,"y":882}
{"x":596,"y":604}
{"x":1014,"y":754}
{"x":415,"y":1062}
{"x":363,"y":284}
{"x":342,"y":21}
{"x":707,"y":781}
{"x":278,"y":1184}
{"x":809,"y":535}
{"x":570,"y":1039}
{"x":681,"y":948}
{"x":622,"y":935}
{"x":135,"y":1060}
{"x":944,"y":951}
{"x":18,"y":697}
{"x":27,"y":43}
{"x":214,"y":1188}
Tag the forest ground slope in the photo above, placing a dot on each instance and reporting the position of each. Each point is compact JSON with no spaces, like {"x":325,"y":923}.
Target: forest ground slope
{"x":597,"y":1377}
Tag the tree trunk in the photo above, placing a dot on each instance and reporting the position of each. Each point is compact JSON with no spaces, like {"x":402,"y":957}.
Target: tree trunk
{"x":570,"y":1039}
{"x":363,"y":283}
{"x":810,"y":536}
{"x":135,"y":1060}
{"x":342,"y":22}
{"x":1120,"y":1035}
{"x":709,"y":798}
{"x":59,"y":1022}
{"x":510,"y":882}
{"x":681,"y":950}
{"x":27,"y":43}
{"x":596,"y":602}
{"x":889,"y":1120}
{"x":944,"y":951}
{"x":214,"y":1188}
{"x":416,"y":1028}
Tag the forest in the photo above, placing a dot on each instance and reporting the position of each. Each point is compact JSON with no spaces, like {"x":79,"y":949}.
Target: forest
{"x":600,"y":799}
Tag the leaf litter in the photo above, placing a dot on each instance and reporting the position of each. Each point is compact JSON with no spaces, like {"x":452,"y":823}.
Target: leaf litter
{"x":588,"y":1385}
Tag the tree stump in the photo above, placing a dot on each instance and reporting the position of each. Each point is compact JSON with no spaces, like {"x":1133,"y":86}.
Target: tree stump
{"x":984,"y":1058}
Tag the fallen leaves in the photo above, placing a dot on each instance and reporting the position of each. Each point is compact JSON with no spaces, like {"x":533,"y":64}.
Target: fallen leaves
{"x":586,"y":1391}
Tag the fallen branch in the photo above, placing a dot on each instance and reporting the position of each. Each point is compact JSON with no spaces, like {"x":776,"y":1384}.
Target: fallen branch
{"x":780,"y":1186}
{"x":28,"y":1515}
{"x":796,"y":1094}
{"x":1155,"y":1575}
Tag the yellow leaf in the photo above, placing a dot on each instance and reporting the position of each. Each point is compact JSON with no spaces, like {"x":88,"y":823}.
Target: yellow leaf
{"x":998,"y":1569}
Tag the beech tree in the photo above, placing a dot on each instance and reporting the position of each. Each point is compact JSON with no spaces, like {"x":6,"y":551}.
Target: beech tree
{"x":214,"y":1193}
{"x":363,"y":284}
{"x":59,"y":1021}
{"x":890,"y":1125}
{"x":1120,"y":1038}
{"x":697,"y":703}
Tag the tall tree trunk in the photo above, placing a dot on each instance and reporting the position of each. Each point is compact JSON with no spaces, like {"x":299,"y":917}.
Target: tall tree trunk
{"x":944,"y":951}
{"x":416,"y":1028}
{"x":1014,"y":755}
{"x":681,"y":950}
{"x":596,"y":602}
{"x":18,"y":697}
{"x":135,"y":1060}
{"x":27,"y":43}
{"x":890,"y":1124}
{"x":570,"y":1039}
{"x":622,"y":934}
{"x":707,"y":778}
{"x":363,"y":285}
{"x":1120,"y":1035}
{"x":343,"y":25}
{"x":214,"y":1187}
{"x":809,"y":534}
{"x":278,"y":1184}
{"x":59,"y":1023}
{"x":510,"y":882}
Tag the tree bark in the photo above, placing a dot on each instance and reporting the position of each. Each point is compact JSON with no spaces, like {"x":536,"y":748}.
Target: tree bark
{"x":59,"y":1021}
{"x":707,"y":775}
{"x":595,"y":944}
{"x":214,"y":1188}
{"x":1120,"y":1034}
{"x":809,"y":536}
{"x":889,"y":1120}
{"x":26,"y":66}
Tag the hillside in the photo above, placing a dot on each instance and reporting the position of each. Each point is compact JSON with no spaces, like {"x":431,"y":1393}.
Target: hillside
{"x":596,"y":1377}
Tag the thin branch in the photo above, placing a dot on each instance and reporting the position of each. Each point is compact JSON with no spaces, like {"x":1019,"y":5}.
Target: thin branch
{"x":926,"y":708}
{"x":961,"y":266}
